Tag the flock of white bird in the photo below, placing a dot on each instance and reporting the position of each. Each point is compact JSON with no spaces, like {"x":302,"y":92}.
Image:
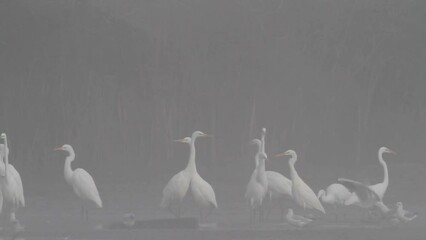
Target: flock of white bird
{"x":265,"y":185}
{"x":261,"y":188}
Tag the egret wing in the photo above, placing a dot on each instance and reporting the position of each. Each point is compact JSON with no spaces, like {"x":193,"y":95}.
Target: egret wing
{"x":17,"y":178}
{"x":363,"y":192}
{"x":175,"y":189}
{"x":85,"y":187}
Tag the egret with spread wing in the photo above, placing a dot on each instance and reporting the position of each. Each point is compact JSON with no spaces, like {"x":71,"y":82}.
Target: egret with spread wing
{"x":379,"y":188}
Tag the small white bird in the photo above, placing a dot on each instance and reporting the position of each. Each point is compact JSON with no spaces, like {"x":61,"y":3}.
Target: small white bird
{"x":335,"y":194}
{"x":81,"y":181}
{"x":257,"y":186}
{"x":296,"y":220}
{"x":129,"y":220}
{"x":404,"y":215}
{"x":301,"y":192}
{"x":11,"y":183}
{"x":379,"y":188}
{"x":395,"y":215}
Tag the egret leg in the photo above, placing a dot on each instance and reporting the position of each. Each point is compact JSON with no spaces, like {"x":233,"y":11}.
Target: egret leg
{"x":82,"y":212}
{"x":282,"y":212}
{"x":169,"y":208}
{"x":87,"y":214}
{"x":268,"y":202}
{"x":210,"y":210}
{"x":178,"y":210}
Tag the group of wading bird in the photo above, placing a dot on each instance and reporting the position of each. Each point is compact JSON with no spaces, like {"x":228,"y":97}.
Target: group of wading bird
{"x":263,"y":185}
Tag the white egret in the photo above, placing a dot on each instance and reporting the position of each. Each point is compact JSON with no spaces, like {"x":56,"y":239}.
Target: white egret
{"x":279,"y":186}
{"x":178,"y":185}
{"x":11,"y":184}
{"x":335,"y":194}
{"x":258,"y":185}
{"x":379,"y":188}
{"x":301,"y":192}
{"x":201,"y":190}
{"x":81,"y":181}
{"x":296,"y":220}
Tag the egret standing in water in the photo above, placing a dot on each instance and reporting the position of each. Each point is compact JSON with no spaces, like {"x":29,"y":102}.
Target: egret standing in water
{"x":302,"y":193}
{"x":278,"y":185}
{"x":258,"y":185}
{"x":379,"y":188}
{"x":81,"y":181}
{"x":11,"y":184}
{"x":201,"y":190}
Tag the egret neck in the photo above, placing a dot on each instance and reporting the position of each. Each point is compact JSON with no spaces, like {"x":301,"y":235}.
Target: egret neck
{"x":385,"y":169}
{"x":67,"y":166}
{"x":291,"y":163}
{"x":6,"y":157}
{"x":191,"y":167}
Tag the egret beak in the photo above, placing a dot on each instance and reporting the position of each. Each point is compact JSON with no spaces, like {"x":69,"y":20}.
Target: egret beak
{"x":57,"y":149}
{"x":178,"y":140}
{"x":392,"y":152}
{"x":280,"y":154}
{"x":207,"y":135}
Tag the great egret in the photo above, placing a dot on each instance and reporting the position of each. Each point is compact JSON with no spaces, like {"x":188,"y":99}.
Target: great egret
{"x":81,"y":181}
{"x":379,"y":188}
{"x":296,"y":220}
{"x":11,"y":184}
{"x":178,"y":185}
{"x":201,"y":190}
{"x":278,"y":185}
{"x":335,"y":194}
{"x":258,"y":185}
{"x":301,"y":192}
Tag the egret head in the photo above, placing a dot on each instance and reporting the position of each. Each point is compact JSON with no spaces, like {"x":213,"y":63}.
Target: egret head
{"x":3,"y":136}
{"x":386,"y":150}
{"x":183,"y":140}
{"x":199,"y":134}
{"x":320,"y":193}
{"x":263,"y":156}
{"x":256,"y":142}
{"x":263,"y":130}
{"x":66,"y":148}
{"x":398,"y":204}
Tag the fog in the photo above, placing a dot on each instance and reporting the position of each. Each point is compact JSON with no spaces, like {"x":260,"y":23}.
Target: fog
{"x":119,"y":80}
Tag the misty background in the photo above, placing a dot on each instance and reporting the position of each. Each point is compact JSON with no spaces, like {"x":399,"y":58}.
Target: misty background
{"x":119,"y":80}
